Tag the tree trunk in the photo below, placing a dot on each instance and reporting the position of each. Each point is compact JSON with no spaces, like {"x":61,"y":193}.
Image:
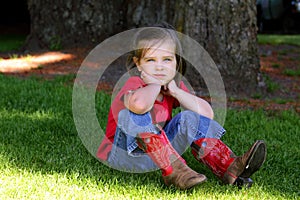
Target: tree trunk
{"x":225,"y":28}
{"x":72,"y":22}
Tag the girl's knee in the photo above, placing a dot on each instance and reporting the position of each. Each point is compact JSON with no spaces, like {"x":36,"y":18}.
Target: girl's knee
{"x":190,"y":115}
{"x":205,"y":126}
{"x":193,"y":116}
{"x":132,"y":124}
{"x":126,"y":116}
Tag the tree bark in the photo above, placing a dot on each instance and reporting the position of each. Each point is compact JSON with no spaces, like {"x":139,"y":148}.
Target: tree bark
{"x":225,"y":28}
{"x":73,"y":22}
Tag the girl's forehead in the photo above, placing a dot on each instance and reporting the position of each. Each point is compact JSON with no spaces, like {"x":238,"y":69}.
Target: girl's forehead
{"x":158,"y":45}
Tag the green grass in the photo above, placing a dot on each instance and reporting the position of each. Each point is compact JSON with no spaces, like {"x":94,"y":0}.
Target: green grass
{"x":41,"y":156}
{"x":271,"y":85}
{"x":11,"y":42}
{"x":278,"y":39}
{"x":291,"y":72}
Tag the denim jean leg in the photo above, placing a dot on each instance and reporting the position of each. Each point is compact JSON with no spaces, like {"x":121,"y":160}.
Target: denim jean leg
{"x":189,"y":126}
{"x":120,"y":159}
{"x":132,"y":124}
{"x":123,"y":155}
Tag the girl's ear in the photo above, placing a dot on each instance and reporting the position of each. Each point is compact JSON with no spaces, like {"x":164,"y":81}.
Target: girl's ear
{"x":136,"y":62}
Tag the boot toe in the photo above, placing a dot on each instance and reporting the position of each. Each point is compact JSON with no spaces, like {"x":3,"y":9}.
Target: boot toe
{"x":192,"y":181}
{"x":256,"y":159}
{"x":183,"y":177}
{"x":196,"y":180}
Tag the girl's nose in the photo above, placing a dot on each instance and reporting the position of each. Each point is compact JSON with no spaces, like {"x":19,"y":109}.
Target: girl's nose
{"x":159,"y":66}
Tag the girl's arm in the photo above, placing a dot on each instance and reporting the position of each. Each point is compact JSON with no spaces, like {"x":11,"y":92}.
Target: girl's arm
{"x":189,"y":101}
{"x":141,"y":100}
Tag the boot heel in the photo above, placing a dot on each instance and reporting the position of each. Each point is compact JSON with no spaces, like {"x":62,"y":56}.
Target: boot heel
{"x":243,"y":182}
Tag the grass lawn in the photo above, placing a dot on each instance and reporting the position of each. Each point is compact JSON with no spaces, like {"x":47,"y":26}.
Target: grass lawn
{"x":42,"y":157}
{"x":11,"y":42}
{"x":278,"y":39}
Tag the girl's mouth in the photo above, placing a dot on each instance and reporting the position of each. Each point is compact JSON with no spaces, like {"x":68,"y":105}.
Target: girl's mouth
{"x":159,"y":75}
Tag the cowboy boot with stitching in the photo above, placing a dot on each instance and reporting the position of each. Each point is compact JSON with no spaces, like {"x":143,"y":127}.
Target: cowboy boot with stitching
{"x":231,"y":169}
{"x":174,"y":169}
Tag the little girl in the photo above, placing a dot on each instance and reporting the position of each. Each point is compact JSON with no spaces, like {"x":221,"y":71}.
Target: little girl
{"x":142,"y":135}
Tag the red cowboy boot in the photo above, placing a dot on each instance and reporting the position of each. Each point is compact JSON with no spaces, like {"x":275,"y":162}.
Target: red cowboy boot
{"x":231,"y":169}
{"x":174,"y":169}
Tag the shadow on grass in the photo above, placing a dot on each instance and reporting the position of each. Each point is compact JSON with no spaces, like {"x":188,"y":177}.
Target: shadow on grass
{"x":38,"y":135}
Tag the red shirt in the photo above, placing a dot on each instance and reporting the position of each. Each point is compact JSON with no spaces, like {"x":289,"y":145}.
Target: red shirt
{"x":161,"y":112}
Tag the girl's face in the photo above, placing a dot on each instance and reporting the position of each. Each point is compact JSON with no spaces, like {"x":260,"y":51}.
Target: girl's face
{"x":159,"y":61}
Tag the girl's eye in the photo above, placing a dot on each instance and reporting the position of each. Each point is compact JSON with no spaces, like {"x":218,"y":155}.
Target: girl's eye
{"x":167,"y":59}
{"x":150,"y":60}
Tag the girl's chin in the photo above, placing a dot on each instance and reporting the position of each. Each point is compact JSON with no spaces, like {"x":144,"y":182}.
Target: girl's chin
{"x":165,"y":82}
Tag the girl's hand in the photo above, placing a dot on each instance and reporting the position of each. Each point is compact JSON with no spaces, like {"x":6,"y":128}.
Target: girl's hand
{"x":148,"y":79}
{"x":170,"y":89}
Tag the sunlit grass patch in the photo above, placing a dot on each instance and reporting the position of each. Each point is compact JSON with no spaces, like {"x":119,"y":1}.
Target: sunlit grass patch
{"x":42,"y":157}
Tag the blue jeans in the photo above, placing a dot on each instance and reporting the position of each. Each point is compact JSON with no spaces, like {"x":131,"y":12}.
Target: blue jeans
{"x":182,"y":130}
